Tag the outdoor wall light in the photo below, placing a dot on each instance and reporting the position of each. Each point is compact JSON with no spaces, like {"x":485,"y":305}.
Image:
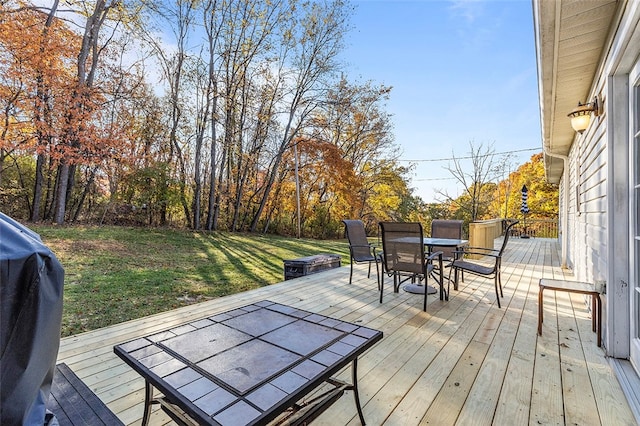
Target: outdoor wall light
{"x":581,"y":115}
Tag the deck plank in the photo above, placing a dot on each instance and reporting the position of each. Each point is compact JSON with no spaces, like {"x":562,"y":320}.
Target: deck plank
{"x":578,"y":398}
{"x":451,"y":342}
{"x":449,"y":401}
{"x":462,"y":362}
{"x":483,"y":397}
{"x":612,"y":410}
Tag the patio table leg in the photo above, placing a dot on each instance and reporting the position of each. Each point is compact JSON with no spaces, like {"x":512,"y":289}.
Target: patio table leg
{"x":354,"y":372}
{"x":148,"y":398}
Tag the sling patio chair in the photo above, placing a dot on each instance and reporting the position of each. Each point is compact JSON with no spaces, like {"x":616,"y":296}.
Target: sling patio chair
{"x":360,"y":249}
{"x":404,"y":257}
{"x":445,"y":228}
{"x":490,"y":268}
{"x":442,"y":228}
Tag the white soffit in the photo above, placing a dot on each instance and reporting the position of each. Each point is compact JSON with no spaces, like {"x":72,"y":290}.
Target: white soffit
{"x":570,"y":38}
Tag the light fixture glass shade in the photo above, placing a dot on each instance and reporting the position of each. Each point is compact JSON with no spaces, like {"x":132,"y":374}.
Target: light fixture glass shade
{"x":580,"y":122}
{"x":581,"y":116}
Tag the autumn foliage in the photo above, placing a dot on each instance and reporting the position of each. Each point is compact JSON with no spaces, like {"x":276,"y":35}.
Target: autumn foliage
{"x":211,"y":115}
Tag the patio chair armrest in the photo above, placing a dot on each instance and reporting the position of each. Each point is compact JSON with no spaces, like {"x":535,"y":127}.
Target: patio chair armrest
{"x":362,"y":245}
{"x":378,"y":254}
{"x":479,"y":248}
{"x":476,"y":250}
{"x":369,"y":247}
{"x":480,"y":253}
{"x":434,"y":255}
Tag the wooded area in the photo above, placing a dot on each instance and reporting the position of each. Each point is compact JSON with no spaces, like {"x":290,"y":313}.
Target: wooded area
{"x":208,"y":114}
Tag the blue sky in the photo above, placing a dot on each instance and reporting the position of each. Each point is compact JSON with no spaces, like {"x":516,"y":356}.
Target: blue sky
{"x":461,"y":71}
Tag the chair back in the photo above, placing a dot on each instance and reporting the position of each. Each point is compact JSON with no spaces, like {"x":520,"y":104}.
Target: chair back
{"x":358,"y":242}
{"x":507,"y":233}
{"x":403,"y":247}
{"x":441,"y":228}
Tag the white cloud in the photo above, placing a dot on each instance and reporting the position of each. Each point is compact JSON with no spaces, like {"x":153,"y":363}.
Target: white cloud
{"x":469,"y":10}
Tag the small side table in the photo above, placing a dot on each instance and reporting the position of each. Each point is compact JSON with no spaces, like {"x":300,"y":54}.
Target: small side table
{"x":574,"y":287}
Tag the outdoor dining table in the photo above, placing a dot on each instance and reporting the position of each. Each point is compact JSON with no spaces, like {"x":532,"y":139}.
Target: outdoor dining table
{"x":430,"y":243}
{"x":249,"y":366}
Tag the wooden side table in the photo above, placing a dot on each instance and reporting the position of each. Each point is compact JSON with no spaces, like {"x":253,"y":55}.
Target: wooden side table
{"x":574,"y":287}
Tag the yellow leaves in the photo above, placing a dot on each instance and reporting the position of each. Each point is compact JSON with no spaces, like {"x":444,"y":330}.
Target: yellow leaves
{"x":16,"y":134}
{"x":542,"y":196}
{"x":288,"y":35}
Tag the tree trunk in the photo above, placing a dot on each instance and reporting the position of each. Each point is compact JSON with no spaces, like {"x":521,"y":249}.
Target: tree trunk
{"x":85,"y":192}
{"x":61,"y":193}
{"x":211,"y":208}
{"x":37,"y":189}
{"x":88,"y":48}
{"x":52,"y":184}
{"x":41,"y":115}
{"x":201,"y":127}
{"x":212,"y":186}
{"x":71,"y":182}
{"x":273,"y":172}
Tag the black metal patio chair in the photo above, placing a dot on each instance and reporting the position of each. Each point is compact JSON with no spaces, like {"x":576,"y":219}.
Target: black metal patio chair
{"x":360,"y":249}
{"x":404,"y":257}
{"x":443,"y":228}
{"x":490,"y":269}
{"x":446,"y":228}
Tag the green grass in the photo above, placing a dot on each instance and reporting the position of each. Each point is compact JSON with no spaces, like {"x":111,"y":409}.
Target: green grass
{"x":115,"y":274}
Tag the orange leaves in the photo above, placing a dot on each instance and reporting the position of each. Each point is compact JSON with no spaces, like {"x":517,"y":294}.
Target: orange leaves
{"x":327,"y":178}
{"x":39,"y":85}
{"x":36,"y":47}
{"x":36,"y":75}
{"x":325,"y":164}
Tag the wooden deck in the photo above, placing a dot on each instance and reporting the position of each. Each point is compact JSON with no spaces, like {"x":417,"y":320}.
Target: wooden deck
{"x":463,"y":362}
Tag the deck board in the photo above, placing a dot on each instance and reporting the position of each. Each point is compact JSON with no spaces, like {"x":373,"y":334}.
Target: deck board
{"x":462,"y":362}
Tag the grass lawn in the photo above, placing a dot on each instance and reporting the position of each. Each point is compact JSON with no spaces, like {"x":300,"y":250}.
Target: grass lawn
{"x":114,"y":274}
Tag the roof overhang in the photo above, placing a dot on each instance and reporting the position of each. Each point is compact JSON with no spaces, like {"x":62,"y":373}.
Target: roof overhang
{"x":570,"y":37}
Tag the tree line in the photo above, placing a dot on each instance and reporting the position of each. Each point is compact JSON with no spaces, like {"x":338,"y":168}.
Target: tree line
{"x":208,"y":114}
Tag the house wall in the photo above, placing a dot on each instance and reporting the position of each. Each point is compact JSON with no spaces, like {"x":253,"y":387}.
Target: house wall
{"x":598,"y":170}
{"x":618,"y":320}
{"x":587,"y":213}
{"x":587,"y":255}
{"x":571,"y":215}
{"x":591,"y":192}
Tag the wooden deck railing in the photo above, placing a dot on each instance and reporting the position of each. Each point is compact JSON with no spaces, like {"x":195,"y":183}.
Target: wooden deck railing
{"x":483,"y":232}
{"x":540,"y":228}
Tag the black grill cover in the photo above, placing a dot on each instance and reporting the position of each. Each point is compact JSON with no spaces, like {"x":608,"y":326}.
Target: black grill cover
{"x":31,"y":282}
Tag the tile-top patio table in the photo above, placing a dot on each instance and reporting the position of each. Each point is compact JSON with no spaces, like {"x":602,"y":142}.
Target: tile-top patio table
{"x":248,"y":366}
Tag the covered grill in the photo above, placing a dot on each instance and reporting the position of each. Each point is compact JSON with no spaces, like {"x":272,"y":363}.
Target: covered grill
{"x":31,"y":285}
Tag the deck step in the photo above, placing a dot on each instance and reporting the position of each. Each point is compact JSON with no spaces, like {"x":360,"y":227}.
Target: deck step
{"x":73,"y":403}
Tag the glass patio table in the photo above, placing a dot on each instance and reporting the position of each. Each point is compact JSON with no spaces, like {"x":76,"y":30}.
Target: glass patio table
{"x":430,"y":243}
{"x":249,"y":366}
